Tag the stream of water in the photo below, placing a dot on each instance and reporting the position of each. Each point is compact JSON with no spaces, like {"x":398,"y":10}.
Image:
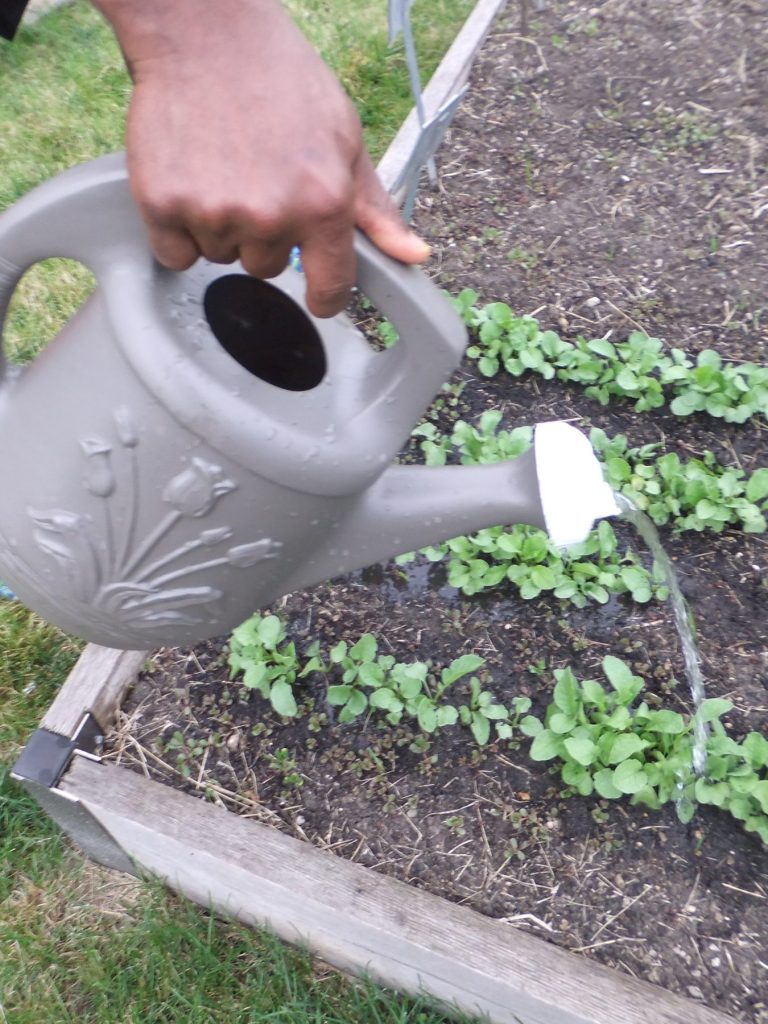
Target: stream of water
{"x":684,"y":622}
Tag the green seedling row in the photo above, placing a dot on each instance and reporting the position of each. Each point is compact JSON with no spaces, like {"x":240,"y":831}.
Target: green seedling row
{"x":603,"y":740}
{"x":698,"y":494}
{"x":637,"y":369}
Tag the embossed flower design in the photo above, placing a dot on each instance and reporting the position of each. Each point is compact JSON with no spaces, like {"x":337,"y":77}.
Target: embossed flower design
{"x":100,"y":479}
{"x":195,"y":490}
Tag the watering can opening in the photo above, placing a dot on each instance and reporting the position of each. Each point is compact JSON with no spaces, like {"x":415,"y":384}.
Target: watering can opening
{"x":265,"y":331}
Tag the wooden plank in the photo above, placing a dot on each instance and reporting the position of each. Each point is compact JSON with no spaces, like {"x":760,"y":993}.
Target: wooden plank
{"x":449,"y":77}
{"x":359,"y":920}
{"x":37,"y":8}
{"x":97,"y":684}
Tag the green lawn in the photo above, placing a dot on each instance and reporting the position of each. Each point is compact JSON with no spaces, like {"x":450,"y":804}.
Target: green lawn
{"x":80,"y":944}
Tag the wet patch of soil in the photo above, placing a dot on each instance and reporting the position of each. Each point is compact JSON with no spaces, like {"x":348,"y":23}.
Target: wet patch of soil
{"x":607,"y":172}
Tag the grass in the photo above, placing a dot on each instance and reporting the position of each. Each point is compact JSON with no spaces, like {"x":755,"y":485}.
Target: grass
{"x":80,"y":944}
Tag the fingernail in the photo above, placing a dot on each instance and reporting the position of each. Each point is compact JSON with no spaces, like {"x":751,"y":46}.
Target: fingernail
{"x":425,"y":251}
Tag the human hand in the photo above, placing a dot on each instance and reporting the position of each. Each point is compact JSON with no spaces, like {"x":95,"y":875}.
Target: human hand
{"x":241,"y":144}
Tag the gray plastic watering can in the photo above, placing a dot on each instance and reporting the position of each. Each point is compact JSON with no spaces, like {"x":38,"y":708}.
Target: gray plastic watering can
{"x":193,"y":445}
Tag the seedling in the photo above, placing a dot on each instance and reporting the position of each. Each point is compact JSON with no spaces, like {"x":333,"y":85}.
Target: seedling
{"x":255,"y":650}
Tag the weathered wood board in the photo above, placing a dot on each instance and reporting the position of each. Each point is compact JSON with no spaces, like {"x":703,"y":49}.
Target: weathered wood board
{"x":359,"y":920}
{"x":97,"y":684}
{"x":447,"y":80}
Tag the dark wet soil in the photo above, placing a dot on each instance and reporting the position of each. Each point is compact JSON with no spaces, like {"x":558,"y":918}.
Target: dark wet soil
{"x":607,"y":172}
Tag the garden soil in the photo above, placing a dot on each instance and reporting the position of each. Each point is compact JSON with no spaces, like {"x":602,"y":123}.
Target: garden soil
{"x":607,"y":173}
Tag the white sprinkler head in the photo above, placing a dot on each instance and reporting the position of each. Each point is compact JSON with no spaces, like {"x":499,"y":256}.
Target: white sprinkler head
{"x":571,"y":485}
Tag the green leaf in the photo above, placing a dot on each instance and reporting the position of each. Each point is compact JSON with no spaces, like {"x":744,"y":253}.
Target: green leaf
{"x":755,"y":747}
{"x":488,"y":366}
{"x":338,"y":653}
{"x":593,"y":693}
{"x":409,"y":687}
{"x":566,"y":693}
{"x":760,"y":793}
{"x":619,"y":719}
{"x":481,"y":729}
{"x":626,"y":379}
{"x":371,"y":674}
{"x":447,"y":715}
{"x":545,"y":746}
{"x":313,"y":665}
{"x":255,"y":676}
{"x":578,"y":777}
{"x":365,"y":648}
{"x":247,"y":632}
{"x":282,"y":700}
{"x":426,"y":715}
{"x":355,"y":706}
{"x":686,"y":404}
{"x":270,"y":629}
{"x":460,"y":667}
{"x":543,"y":577}
{"x":629,"y":777}
{"x":711,"y":793}
{"x":667,"y":722}
{"x":602,"y":347}
{"x":495,"y":712}
{"x":339,"y":694}
{"x":757,"y":487}
{"x":713,"y":708}
{"x":581,"y":749}
{"x":685,"y":810}
{"x":561,"y":723}
{"x":619,"y":675}
{"x":530,"y":726}
{"x":385,"y":699}
{"x":603,"y":781}
{"x":624,"y":747}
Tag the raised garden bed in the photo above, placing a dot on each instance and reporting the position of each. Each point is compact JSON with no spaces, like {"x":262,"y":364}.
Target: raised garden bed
{"x":608,"y":173}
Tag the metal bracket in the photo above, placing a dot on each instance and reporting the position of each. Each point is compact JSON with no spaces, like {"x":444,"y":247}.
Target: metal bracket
{"x":40,"y":767}
{"x":47,"y":754}
{"x":426,"y":145}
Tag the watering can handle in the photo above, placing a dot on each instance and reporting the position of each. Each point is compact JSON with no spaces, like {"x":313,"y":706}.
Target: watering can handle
{"x":85,"y":214}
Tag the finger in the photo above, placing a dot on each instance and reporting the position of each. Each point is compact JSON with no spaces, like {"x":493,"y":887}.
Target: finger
{"x":377,"y":216}
{"x":175,"y":248}
{"x":265,"y":259}
{"x":328,"y":258}
{"x":215,"y":247}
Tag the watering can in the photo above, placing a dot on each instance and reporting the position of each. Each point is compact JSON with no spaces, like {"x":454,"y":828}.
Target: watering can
{"x":194,"y":445}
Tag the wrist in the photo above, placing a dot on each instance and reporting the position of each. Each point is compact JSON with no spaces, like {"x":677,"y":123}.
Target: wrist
{"x":148,"y":29}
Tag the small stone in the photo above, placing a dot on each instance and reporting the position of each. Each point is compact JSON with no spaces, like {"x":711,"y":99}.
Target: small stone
{"x":592,"y":302}
{"x":695,"y":992}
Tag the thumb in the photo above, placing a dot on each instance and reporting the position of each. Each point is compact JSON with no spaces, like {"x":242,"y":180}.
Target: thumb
{"x":377,"y":216}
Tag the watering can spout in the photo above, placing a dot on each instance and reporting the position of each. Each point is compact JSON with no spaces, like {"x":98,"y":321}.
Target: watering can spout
{"x":557,"y":485}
